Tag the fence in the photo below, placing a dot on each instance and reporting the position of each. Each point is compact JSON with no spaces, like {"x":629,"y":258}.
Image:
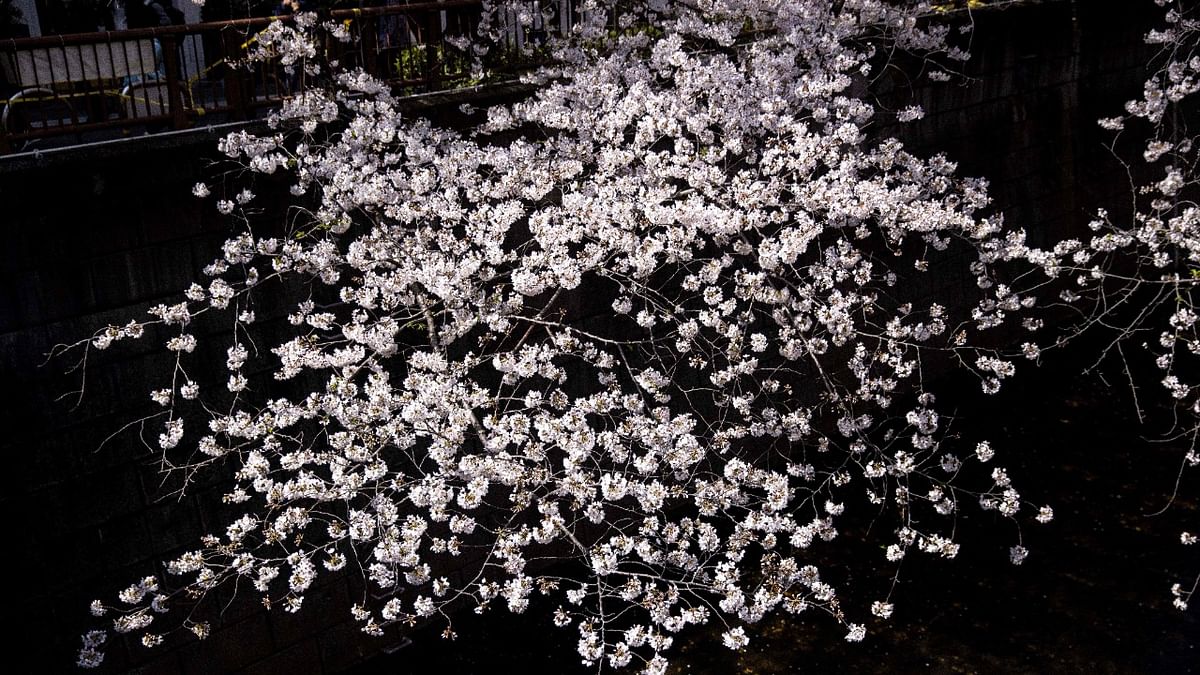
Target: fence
{"x":83,"y":86}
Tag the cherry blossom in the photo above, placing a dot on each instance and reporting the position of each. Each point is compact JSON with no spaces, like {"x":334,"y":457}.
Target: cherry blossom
{"x":659,"y":322}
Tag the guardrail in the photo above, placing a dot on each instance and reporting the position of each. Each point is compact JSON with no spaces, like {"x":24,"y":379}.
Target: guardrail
{"x":92,"y":86}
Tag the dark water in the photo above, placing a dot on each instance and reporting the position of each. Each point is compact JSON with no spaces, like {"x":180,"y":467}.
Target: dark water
{"x":1091,"y":598}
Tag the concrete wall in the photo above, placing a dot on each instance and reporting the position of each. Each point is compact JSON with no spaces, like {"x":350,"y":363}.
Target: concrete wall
{"x":98,"y":235}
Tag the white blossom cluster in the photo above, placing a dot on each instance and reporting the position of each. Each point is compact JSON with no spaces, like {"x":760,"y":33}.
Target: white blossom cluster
{"x":660,"y":322}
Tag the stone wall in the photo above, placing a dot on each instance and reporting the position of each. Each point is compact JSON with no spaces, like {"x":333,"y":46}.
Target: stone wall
{"x":97,"y":235}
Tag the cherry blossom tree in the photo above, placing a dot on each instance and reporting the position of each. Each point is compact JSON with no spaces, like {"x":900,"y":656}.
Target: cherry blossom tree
{"x":636,"y":344}
{"x":1137,"y":279}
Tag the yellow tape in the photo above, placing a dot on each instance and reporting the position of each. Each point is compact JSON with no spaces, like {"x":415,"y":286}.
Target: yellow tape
{"x":112,"y":94}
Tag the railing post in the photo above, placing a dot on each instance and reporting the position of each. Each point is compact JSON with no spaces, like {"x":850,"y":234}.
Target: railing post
{"x":170,"y":45}
{"x":368,"y":39}
{"x":231,"y":48}
{"x":433,"y":40}
{"x":5,"y":144}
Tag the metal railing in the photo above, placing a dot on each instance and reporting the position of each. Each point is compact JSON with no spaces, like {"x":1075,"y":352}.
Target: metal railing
{"x":91,"y":86}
